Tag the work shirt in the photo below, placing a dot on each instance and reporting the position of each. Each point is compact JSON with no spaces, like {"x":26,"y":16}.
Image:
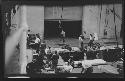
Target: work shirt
{"x":95,"y":36}
{"x":90,"y":37}
{"x":37,"y":40}
{"x":80,"y":39}
{"x":48,"y":51}
{"x":63,"y":33}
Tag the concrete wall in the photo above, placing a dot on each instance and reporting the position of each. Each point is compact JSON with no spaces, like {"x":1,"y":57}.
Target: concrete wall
{"x":15,"y":20}
{"x":90,"y":16}
{"x":110,"y":18}
{"x":14,"y":66}
{"x":92,"y":22}
{"x":35,"y":19}
{"x":68,"y":12}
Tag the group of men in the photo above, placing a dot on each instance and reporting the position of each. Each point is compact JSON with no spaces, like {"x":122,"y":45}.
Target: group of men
{"x":52,"y":58}
{"x":34,"y":43}
{"x":92,"y":38}
{"x":47,"y":58}
{"x":44,"y":52}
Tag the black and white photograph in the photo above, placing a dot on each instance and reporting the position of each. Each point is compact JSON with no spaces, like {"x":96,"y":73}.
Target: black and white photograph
{"x":57,"y":39}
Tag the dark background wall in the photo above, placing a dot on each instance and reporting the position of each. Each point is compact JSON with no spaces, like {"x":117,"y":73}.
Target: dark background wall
{"x":93,"y":17}
{"x":67,"y":12}
{"x":71,"y":28}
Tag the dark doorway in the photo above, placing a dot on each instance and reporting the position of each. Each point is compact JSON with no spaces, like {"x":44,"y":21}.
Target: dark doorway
{"x":72,"y":28}
{"x":50,"y":29}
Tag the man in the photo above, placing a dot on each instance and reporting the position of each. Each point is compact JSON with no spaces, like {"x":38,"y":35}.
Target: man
{"x":63,"y":36}
{"x":37,"y":40}
{"x":28,"y":38}
{"x":95,"y":36}
{"x":91,"y":40}
{"x":35,"y":66}
{"x":71,"y":61}
{"x":68,"y":68}
{"x":42,"y":48}
{"x":37,"y":43}
{"x":48,"y":55}
{"x":60,"y":26}
{"x":54,"y":59}
{"x":48,"y":50}
{"x":81,"y":37}
{"x":28,"y":34}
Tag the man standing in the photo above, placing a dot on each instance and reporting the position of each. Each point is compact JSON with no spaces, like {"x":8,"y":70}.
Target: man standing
{"x":37,"y":43}
{"x":91,"y":40}
{"x":28,"y":38}
{"x":63,"y":36}
{"x":60,"y":29}
{"x":81,"y":37}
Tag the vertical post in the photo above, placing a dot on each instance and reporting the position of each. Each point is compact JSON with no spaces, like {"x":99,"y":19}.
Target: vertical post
{"x":42,"y":23}
{"x":82,"y":32}
{"x":23,"y":56}
{"x":100,"y":20}
{"x":115,"y":25}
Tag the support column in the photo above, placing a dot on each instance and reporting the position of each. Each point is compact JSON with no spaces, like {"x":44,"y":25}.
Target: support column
{"x":42,"y":23}
{"x":23,"y":56}
{"x":83,"y":30}
{"x":35,"y":20}
{"x":99,"y":21}
{"x":90,"y":20}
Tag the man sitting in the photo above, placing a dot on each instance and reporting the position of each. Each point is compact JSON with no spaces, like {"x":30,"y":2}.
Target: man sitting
{"x":71,"y":61}
{"x":68,"y":68}
{"x":35,"y":66}
{"x":48,"y":55}
{"x":54,"y":60}
{"x":42,"y":48}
